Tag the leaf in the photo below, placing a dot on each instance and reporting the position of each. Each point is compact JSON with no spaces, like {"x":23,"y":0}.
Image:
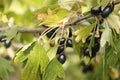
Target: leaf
{"x":113,"y":20}
{"x":104,"y":3}
{"x":11,"y":33}
{"x":22,"y":53}
{"x":53,"y":70}
{"x":5,"y":67}
{"x":36,"y":63}
{"x":106,"y":37}
{"x":83,"y":33}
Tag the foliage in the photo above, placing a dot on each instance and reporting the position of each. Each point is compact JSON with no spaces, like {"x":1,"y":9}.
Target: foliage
{"x":39,"y":59}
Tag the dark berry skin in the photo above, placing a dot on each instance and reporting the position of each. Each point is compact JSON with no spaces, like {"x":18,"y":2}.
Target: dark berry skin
{"x":95,"y":10}
{"x":88,"y":68}
{"x":2,"y":37}
{"x":86,"y":52}
{"x":70,"y":32}
{"x":95,"y":49}
{"x":62,"y":58}
{"x":107,"y":10}
{"x":89,"y":38}
{"x":7,"y":43}
{"x":60,"y":49}
{"x":51,"y":34}
{"x":69,"y":43}
{"x":61,"y":41}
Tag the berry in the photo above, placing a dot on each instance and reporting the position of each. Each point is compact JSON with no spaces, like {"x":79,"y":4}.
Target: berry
{"x":51,"y":34}
{"x":52,"y":43}
{"x":69,"y":43}
{"x":88,"y":68}
{"x":2,"y":37}
{"x":61,"y":41}
{"x":89,"y":38}
{"x":96,"y":10}
{"x":62,"y":58}
{"x":86,"y":52}
{"x":60,"y":49}
{"x":95,"y":49}
{"x":107,"y":10}
{"x":70,"y":32}
{"x":7,"y":43}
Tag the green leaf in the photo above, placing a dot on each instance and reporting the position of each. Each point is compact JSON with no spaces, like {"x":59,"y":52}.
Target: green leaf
{"x":62,"y":13}
{"x":53,"y":70}
{"x":22,"y":53}
{"x":36,"y":63}
{"x":83,"y":33}
{"x":5,"y":67}
{"x":11,"y":33}
{"x":104,"y":3}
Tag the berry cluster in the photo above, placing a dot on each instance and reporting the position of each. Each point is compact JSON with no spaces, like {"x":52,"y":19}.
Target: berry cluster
{"x":63,"y":43}
{"x":94,"y":49}
{"x":105,"y":12}
{"x":7,"y":43}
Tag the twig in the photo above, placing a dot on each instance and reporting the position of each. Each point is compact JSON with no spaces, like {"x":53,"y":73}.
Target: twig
{"x":41,"y":29}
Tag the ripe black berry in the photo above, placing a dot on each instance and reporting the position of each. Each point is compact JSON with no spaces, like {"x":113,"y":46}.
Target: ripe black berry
{"x":69,"y":43}
{"x":88,"y":68}
{"x":86,"y":52}
{"x":7,"y":43}
{"x":62,"y":58}
{"x":96,"y":10}
{"x":107,"y":10}
{"x":51,"y":34}
{"x":70,"y":32}
{"x":95,"y":49}
{"x":61,"y":41}
{"x":60,"y":49}
{"x":89,"y":38}
{"x":2,"y":37}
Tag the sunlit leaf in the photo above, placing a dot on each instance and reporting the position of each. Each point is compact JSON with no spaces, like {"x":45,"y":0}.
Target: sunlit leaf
{"x":22,"y":54}
{"x":36,"y":63}
{"x":53,"y":70}
{"x":83,"y":33}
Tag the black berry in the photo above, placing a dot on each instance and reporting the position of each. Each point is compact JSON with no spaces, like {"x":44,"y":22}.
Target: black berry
{"x":70,"y":32}
{"x":96,"y":10}
{"x":62,"y":58}
{"x":95,"y":49}
{"x":89,"y":38}
{"x":61,"y":41}
{"x":60,"y":49}
{"x":86,"y":52}
{"x":69,"y":43}
{"x":51,"y":34}
{"x":2,"y":37}
{"x":7,"y":43}
{"x":88,"y":68}
{"x":107,"y":10}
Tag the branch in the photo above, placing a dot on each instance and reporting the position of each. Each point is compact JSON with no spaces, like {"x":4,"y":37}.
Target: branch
{"x":88,"y":16}
{"x":41,"y":29}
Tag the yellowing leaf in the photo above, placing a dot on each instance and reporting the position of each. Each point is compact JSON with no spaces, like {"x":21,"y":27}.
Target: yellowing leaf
{"x":53,"y":70}
{"x":114,"y":22}
{"x":83,"y":32}
{"x":106,"y":37}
